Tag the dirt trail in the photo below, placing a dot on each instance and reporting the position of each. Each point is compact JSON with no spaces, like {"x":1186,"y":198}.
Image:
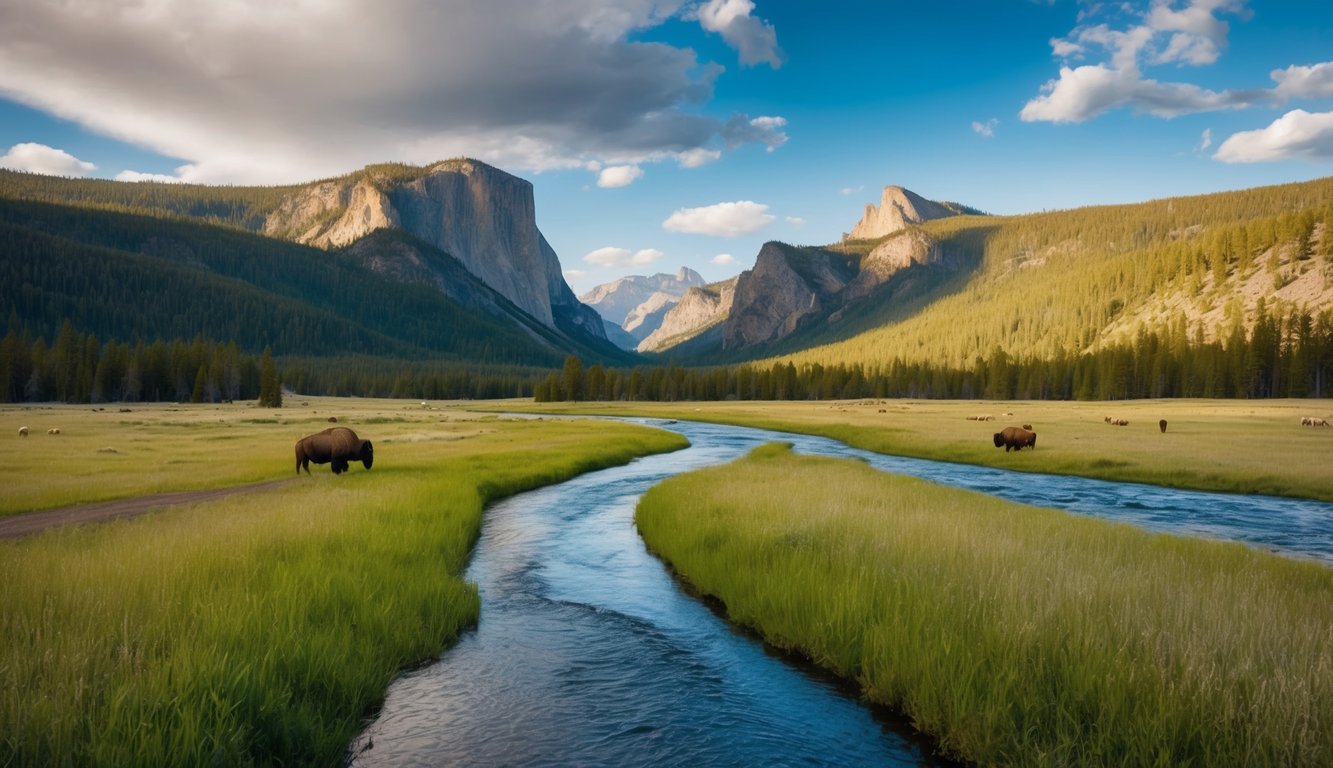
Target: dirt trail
{"x":18,"y":526}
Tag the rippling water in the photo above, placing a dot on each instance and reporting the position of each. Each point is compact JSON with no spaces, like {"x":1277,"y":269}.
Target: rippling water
{"x":587,"y":653}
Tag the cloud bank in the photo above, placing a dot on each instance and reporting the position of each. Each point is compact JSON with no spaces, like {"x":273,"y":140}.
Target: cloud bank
{"x":250,"y":91}
{"x":623,"y":257}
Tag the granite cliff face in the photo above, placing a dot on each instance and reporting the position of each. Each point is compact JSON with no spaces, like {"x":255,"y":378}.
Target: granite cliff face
{"x":483,"y":217}
{"x":698,"y":311}
{"x":786,"y":285}
{"x":898,"y":208}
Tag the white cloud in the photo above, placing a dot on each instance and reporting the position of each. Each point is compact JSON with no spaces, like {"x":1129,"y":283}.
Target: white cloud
{"x":795,"y":221}
{"x":575,"y":274}
{"x":849,"y":191}
{"x":734,"y":219}
{"x":1297,"y":82}
{"x":160,"y":178}
{"x":1206,"y":140}
{"x":697,"y":157}
{"x":618,"y":176}
{"x":247,"y":91}
{"x":1192,"y":34}
{"x":1296,"y":135}
{"x":987,"y":128}
{"x":39,"y":158}
{"x":623,"y":257}
{"x":754,"y":39}
{"x":723,"y":260}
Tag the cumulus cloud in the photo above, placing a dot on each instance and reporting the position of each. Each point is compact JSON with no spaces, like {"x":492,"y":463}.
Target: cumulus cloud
{"x":723,"y":260}
{"x":1190,"y":35}
{"x":1297,"y":82}
{"x":623,"y":257}
{"x":734,"y":219}
{"x":618,"y":176}
{"x":754,"y":38}
{"x":986,"y":129}
{"x":39,"y":158}
{"x":795,"y":221}
{"x":248,"y":91}
{"x":1296,"y":135}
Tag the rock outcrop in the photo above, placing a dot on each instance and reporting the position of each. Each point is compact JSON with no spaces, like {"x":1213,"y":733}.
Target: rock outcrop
{"x":898,"y":208}
{"x":480,"y":215}
{"x":908,"y":248}
{"x":645,"y":318}
{"x":786,"y":285}
{"x":698,"y":311}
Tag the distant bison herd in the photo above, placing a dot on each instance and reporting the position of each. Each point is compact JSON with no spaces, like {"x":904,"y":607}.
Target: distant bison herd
{"x":1313,"y":421}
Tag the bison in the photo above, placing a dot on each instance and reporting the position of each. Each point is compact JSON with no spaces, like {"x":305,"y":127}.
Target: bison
{"x":1015,"y":438}
{"x":23,"y":431}
{"x":336,"y":445}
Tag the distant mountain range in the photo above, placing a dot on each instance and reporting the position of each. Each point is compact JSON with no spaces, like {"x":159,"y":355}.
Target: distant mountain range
{"x":446,"y":264}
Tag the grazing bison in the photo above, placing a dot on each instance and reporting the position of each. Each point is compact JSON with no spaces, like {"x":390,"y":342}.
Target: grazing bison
{"x":336,"y":445}
{"x":23,"y":431}
{"x":333,"y":419}
{"x":53,"y":431}
{"x":1016,"y":438}
{"x":1028,"y":427}
{"x":1162,"y":425}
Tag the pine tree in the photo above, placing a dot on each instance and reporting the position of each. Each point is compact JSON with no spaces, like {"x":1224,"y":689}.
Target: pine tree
{"x":270,"y":386}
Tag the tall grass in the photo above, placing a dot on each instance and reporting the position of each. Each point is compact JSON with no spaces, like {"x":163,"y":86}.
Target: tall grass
{"x":1016,"y":635}
{"x":261,"y":629}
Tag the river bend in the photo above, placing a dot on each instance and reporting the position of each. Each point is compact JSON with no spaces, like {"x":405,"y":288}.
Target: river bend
{"x":588,"y":653}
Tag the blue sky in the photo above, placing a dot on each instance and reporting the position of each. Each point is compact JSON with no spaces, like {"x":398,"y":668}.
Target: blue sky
{"x":668,"y":133}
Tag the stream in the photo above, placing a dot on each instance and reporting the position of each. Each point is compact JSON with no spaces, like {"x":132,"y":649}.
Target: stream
{"x":588,"y":653}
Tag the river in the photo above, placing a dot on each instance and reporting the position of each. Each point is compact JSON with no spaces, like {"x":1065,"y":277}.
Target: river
{"x":588,"y":653}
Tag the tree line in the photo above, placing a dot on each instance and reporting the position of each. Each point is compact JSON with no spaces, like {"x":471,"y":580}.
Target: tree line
{"x":1284,"y":355}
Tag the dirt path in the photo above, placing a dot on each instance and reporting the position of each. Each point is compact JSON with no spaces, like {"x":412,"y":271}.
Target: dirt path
{"x":18,"y":526}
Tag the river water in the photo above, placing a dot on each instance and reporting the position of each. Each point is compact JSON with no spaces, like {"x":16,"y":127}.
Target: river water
{"x":588,"y":653}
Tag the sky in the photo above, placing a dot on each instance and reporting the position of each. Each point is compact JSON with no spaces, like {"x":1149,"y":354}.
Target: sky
{"x":667,"y":133}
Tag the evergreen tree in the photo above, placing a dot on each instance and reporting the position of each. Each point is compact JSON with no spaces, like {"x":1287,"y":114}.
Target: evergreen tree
{"x":270,"y":386}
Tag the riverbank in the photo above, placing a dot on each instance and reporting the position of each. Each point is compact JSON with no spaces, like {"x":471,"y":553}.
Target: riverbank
{"x":1017,"y":635}
{"x":1232,"y":446}
{"x":257,"y":629}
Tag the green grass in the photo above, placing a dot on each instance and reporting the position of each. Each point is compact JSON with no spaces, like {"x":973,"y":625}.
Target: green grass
{"x":1015,"y":635}
{"x":1237,"y":446}
{"x":262,"y":629}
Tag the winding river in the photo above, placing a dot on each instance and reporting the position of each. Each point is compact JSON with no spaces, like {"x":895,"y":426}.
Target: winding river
{"x":588,"y":653}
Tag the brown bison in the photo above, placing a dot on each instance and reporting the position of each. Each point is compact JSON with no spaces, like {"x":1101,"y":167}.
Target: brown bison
{"x":23,"y":431}
{"x":336,"y":445}
{"x":1162,"y":425}
{"x":1016,"y":438}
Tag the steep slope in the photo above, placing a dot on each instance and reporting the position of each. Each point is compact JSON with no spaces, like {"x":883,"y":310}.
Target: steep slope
{"x":699,"y":311}
{"x":479,"y":215}
{"x":482,"y":216}
{"x":134,"y":277}
{"x":1186,"y":271}
{"x":898,"y":208}
{"x":615,"y":300}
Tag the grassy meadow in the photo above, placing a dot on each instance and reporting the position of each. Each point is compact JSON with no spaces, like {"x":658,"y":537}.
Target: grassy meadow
{"x":1239,"y":446}
{"x":257,"y":629}
{"x":1013,"y":634}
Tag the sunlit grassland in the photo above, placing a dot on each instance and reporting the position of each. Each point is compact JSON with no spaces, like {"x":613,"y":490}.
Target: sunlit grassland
{"x":154,"y":448}
{"x":1241,"y":446}
{"x":1016,"y":635}
{"x":262,"y":629}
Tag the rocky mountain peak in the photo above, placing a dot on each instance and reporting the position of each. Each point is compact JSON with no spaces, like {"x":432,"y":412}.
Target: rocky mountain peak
{"x":898,"y":207}
{"x":478,"y":214}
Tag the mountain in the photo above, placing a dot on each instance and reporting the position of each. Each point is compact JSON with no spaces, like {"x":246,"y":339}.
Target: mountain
{"x":441,"y":261}
{"x":637,"y":303}
{"x":898,"y":208}
{"x":695,"y":319}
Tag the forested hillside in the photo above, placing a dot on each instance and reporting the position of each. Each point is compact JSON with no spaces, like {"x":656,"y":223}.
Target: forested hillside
{"x":1202,"y":276}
